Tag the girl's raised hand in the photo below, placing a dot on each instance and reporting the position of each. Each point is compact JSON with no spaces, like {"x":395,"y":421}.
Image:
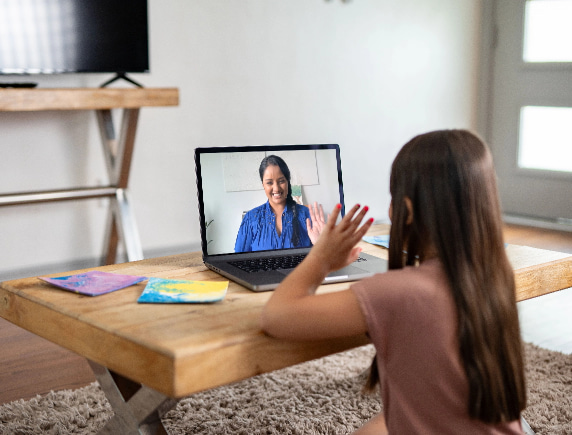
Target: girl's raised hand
{"x":295,"y":312}
{"x":336,"y":247}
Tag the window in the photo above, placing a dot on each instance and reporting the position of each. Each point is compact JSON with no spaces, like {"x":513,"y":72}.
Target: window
{"x":548,"y":31}
{"x":546,"y":138}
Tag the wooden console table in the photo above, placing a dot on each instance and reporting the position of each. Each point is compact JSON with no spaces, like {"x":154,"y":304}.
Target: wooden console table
{"x":118,"y":150}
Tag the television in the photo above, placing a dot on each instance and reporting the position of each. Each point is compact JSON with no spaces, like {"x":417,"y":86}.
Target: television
{"x":73,"y":36}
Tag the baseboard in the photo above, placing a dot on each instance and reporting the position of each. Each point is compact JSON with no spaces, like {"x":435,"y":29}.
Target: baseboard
{"x":560,"y":224}
{"x":85,"y":263}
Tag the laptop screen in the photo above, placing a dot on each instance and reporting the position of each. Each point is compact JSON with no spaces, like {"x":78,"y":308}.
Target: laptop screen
{"x":234,"y":204}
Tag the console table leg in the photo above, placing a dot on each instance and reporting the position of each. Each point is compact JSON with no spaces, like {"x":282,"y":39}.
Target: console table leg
{"x":127,"y":226}
{"x":121,"y":225}
{"x":111,"y":239}
{"x":118,"y":154}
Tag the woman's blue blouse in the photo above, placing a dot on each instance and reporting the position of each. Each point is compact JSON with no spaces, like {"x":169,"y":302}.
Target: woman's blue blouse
{"x":258,"y":229}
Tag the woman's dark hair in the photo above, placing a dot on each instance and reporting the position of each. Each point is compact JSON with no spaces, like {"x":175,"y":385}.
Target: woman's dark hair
{"x":450,"y":179}
{"x":278,"y":161}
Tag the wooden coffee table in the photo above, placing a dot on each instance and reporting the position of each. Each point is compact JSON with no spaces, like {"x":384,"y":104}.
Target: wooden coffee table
{"x":173,"y":350}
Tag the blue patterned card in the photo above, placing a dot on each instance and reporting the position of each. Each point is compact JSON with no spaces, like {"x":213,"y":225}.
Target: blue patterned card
{"x":159,"y":290}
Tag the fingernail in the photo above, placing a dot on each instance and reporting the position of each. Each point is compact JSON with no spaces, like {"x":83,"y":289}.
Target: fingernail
{"x":366,"y":208}
{"x":339,"y":206}
{"x":358,"y":206}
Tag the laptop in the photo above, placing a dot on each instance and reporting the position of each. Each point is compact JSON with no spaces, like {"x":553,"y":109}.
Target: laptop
{"x":229,"y":186}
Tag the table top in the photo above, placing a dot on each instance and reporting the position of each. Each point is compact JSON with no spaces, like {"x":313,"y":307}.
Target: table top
{"x":38,"y":99}
{"x":179,"y":349}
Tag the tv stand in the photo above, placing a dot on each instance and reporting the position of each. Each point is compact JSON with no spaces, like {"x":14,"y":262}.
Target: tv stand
{"x":121,"y":76}
{"x":118,"y":151}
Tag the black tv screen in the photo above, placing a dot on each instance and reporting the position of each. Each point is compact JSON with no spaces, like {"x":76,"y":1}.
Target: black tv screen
{"x":73,"y":36}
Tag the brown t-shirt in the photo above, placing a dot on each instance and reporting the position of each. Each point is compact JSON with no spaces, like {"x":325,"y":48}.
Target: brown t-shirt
{"x":411,"y":321}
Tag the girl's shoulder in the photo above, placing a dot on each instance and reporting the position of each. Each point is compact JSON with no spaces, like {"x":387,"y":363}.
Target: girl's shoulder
{"x":412,"y":292}
{"x":427,"y":276}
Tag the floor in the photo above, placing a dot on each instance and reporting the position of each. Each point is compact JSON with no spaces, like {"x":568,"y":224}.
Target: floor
{"x":30,"y":365}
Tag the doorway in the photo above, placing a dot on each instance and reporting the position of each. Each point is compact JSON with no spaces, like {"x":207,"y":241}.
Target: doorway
{"x":529,"y":109}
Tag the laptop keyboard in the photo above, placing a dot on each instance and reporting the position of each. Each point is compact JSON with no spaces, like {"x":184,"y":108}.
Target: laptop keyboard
{"x":273,"y":263}
{"x":269,"y":263}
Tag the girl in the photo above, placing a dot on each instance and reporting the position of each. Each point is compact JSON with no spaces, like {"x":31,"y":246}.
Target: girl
{"x":443,"y":319}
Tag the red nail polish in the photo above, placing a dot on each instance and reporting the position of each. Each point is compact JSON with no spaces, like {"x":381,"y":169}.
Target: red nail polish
{"x":371,"y":220}
{"x":339,"y":206}
{"x":366,"y":208}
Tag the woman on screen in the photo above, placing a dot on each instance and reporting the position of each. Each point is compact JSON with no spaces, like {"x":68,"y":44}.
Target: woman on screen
{"x":280,"y":222}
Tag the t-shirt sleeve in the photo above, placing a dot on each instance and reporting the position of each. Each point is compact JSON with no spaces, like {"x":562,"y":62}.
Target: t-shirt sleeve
{"x":377,"y":299}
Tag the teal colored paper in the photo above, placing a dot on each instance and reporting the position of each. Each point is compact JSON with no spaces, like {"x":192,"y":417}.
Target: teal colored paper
{"x":378,"y":240}
{"x":159,"y":290}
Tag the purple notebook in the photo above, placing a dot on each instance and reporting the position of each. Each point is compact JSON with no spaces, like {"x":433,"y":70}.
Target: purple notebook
{"x":94,"y":283}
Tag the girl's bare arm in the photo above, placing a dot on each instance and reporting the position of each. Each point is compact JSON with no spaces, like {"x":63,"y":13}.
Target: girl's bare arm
{"x":294,"y":311}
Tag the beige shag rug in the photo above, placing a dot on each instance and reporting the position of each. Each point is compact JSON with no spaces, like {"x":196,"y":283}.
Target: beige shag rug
{"x":319,"y":397}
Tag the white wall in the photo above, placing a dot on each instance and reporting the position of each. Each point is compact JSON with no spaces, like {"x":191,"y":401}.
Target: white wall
{"x":367,"y":74}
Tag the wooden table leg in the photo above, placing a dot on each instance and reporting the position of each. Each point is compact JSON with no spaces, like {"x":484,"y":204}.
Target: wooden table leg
{"x":137,"y":411}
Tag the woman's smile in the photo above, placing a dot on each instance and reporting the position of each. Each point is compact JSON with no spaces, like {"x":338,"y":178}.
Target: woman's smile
{"x":277,"y":195}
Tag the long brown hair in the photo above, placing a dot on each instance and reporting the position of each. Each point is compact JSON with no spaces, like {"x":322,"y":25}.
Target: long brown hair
{"x":450,"y":179}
